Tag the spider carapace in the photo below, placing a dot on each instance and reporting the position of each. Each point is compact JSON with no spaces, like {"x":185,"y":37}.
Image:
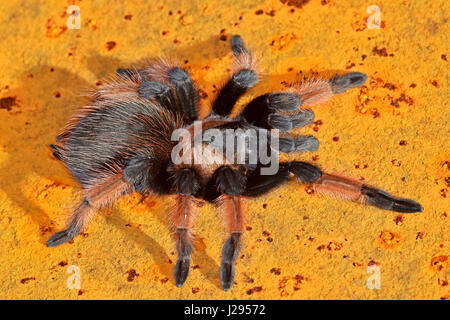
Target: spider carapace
{"x":122,"y":142}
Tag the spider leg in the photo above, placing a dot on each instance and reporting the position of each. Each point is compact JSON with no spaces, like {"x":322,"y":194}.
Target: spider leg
{"x":258,"y":184}
{"x":338,"y":186}
{"x":281,"y":110}
{"x":230,"y":183}
{"x":298,"y":144}
{"x":172,"y":87}
{"x":244,"y":77}
{"x":187,"y":95}
{"x":160,"y":92}
{"x":264,"y":111}
{"x":317,"y":91}
{"x":345,"y":188}
{"x":95,"y":198}
{"x":187,"y":185}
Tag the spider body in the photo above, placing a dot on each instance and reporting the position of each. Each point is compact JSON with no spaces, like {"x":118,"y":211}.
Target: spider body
{"x":123,"y":143}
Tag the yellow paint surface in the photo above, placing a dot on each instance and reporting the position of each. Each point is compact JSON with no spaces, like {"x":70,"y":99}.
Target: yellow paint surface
{"x":393,"y":132}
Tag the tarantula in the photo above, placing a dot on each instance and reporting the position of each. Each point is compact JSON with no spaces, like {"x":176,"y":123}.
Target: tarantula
{"x":121,"y":143}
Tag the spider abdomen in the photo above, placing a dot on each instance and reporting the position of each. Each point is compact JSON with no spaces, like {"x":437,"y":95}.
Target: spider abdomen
{"x":111,"y":136}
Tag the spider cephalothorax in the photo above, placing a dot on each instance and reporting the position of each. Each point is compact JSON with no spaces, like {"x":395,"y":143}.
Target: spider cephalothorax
{"x":123,"y":143}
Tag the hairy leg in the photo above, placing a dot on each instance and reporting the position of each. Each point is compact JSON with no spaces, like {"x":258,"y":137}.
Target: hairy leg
{"x":183,"y":218}
{"x":338,"y":186}
{"x":245,"y":76}
{"x":96,"y":197}
{"x":230,"y":184}
{"x":356,"y":191}
{"x":281,"y":110}
{"x":172,"y":87}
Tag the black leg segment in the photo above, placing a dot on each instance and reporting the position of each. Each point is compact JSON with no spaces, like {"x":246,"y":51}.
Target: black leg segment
{"x":233,"y":90}
{"x":187,"y":95}
{"x":384,"y":200}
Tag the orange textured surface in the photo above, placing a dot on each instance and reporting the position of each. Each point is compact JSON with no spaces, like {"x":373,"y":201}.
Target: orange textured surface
{"x":393,"y":132}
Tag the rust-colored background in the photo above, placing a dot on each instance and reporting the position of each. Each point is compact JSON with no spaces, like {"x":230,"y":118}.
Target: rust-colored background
{"x":393,"y":133}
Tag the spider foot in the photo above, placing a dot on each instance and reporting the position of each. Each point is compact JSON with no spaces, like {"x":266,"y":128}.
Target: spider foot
{"x":340,"y":84}
{"x":298,"y":144}
{"x":181,"y":271}
{"x":230,"y":252}
{"x":384,"y":200}
{"x":62,"y":237}
{"x":291,"y":121}
{"x":227,"y":275}
{"x":269,"y":111}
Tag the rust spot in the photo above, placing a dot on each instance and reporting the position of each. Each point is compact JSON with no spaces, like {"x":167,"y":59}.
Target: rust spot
{"x":195,"y":290}
{"x":435,"y":84}
{"x":131,"y":275}
{"x":284,"y":41}
{"x":7,"y":103}
{"x":128,"y":17}
{"x":295,"y":3}
{"x":81,"y":291}
{"x":399,"y":220}
{"x":254,"y":289}
{"x":335,"y":139}
{"x":309,"y":189}
{"x":420,"y":235}
{"x":26,"y":280}
{"x":53,"y":30}
{"x":334,"y":246}
{"x":389,"y":240}
{"x":62,"y":263}
{"x":403,"y":142}
{"x":389,"y":86}
{"x":442,"y":283}
{"x":275,"y":271}
{"x":382,"y":52}
{"x":321,"y":247}
{"x":439,"y":263}
{"x":164,"y":280}
{"x":288,"y":285}
{"x":259,"y":12}
{"x":444,"y":57}
{"x":349,"y":65}
{"x":110,"y":45}
{"x":45,"y":229}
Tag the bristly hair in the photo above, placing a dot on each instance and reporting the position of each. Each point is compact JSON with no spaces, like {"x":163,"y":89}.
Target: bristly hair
{"x":150,"y":137}
{"x":313,"y":91}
